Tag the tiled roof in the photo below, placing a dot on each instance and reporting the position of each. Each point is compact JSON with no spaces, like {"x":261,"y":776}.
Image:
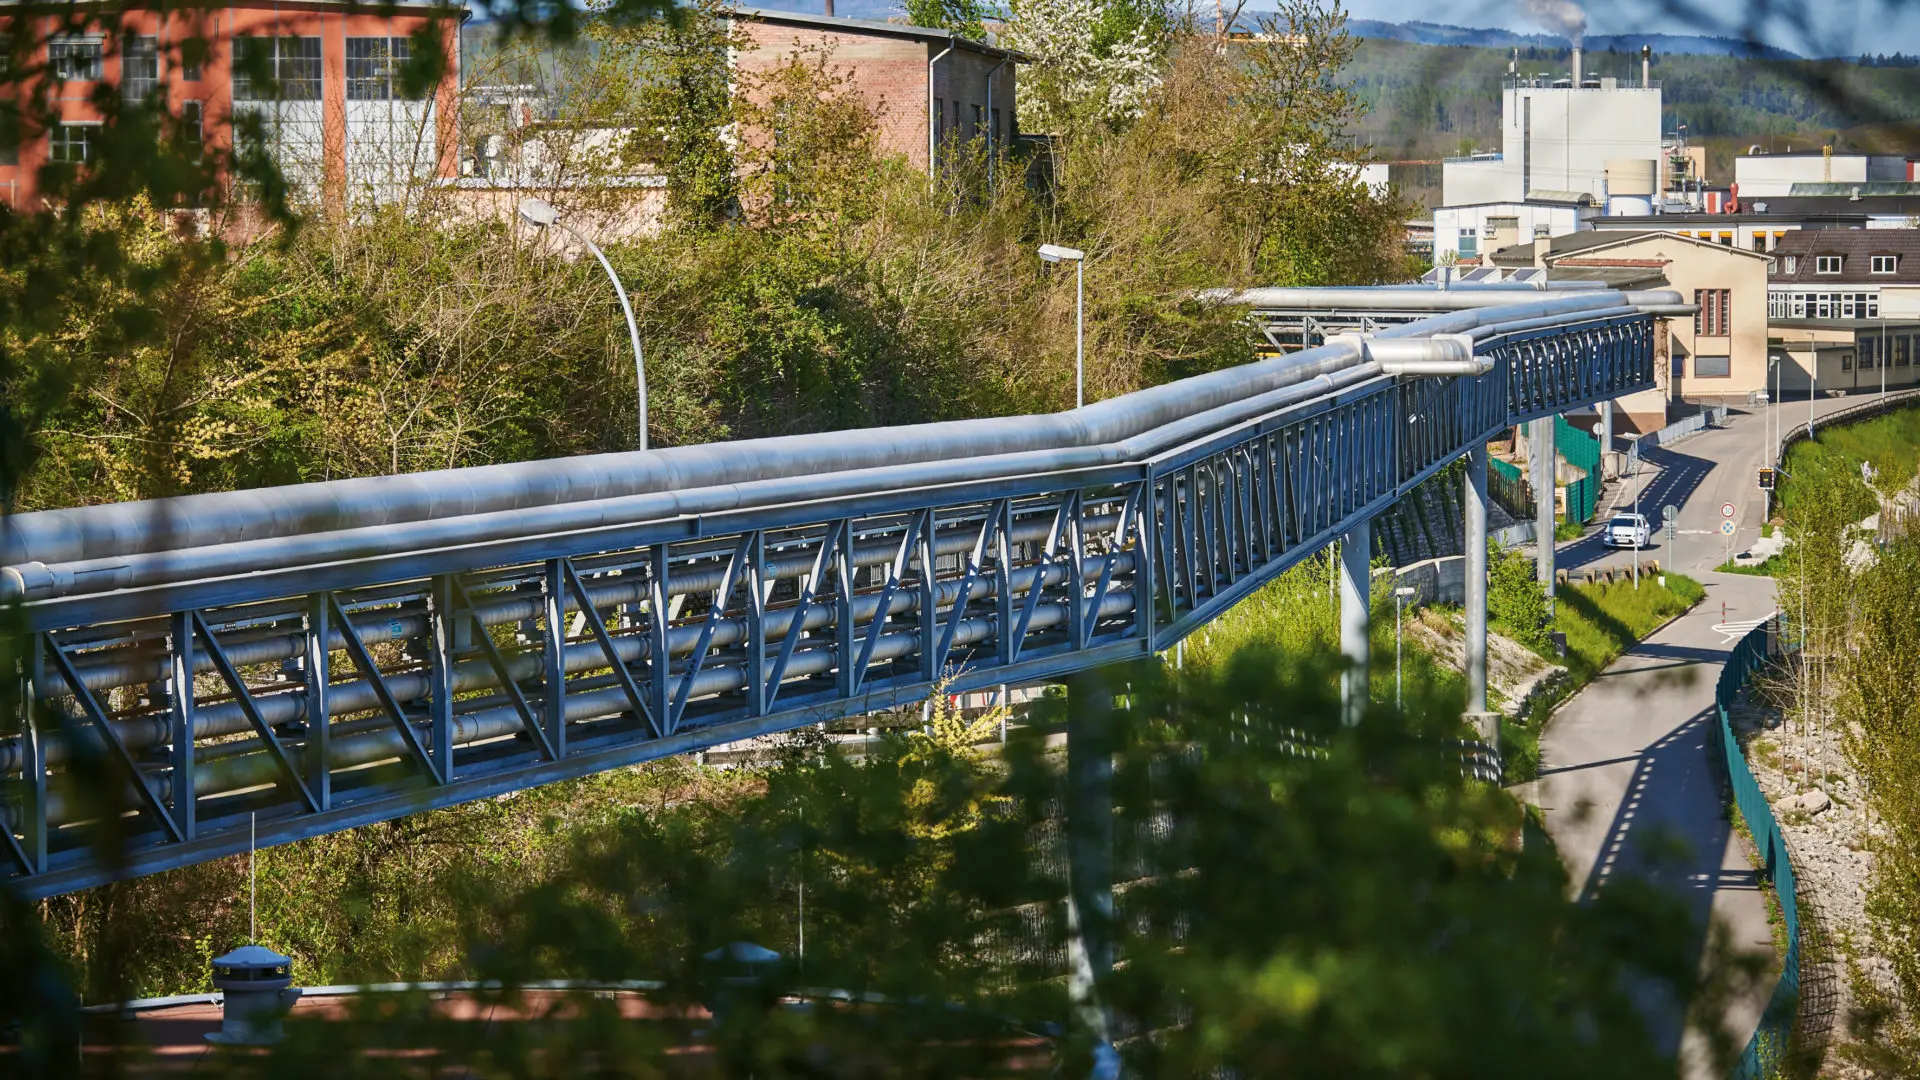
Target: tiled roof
{"x":1856,"y":248}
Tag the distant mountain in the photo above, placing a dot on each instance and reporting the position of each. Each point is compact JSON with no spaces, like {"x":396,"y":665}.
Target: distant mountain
{"x":1426,"y":33}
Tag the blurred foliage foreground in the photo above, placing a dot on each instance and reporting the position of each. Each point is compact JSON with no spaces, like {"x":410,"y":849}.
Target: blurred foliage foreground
{"x":1293,"y":898}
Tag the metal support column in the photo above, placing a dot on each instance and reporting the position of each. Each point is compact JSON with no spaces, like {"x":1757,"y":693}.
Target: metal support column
{"x":1540,"y":442}
{"x":1355,"y":594}
{"x":1089,"y":846}
{"x":1606,"y":427}
{"x":1475,"y":502}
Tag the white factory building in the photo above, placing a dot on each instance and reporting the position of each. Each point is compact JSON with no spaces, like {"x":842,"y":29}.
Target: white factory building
{"x":1559,"y":135}
{"x":1772,"y":176}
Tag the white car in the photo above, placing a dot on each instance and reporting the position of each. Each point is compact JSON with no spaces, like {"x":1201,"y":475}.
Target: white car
{"x":1627,"y":531}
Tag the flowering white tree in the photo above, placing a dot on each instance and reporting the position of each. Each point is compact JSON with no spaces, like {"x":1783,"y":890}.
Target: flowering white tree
{"x":1094,"y":60}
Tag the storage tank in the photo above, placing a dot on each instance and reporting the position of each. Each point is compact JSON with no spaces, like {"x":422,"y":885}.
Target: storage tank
{"x":1631,"y":176}
{"x":1629,"y":206}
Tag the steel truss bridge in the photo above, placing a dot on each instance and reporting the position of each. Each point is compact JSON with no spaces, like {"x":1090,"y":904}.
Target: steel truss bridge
{"x":327,"y":655}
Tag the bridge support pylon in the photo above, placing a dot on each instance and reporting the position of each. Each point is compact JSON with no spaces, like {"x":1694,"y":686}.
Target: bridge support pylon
{"x":1475,"y":572}
{"x":1606,"y":428}
{"x":1541,"y":447}
{"x":1089,"y":846}
{"x":1356,"y":593}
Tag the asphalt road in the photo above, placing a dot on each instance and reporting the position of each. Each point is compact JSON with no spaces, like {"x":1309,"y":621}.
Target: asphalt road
{"x":1628,"y":780}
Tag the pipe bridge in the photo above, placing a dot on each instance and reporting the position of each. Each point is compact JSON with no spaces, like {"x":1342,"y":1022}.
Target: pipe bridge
{"x":322,"y":656}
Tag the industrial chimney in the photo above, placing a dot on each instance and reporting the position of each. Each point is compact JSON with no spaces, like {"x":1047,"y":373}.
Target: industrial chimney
{"x":829,"y":8}
{"x":1576,"y":67}
{"x":1646,"y":65}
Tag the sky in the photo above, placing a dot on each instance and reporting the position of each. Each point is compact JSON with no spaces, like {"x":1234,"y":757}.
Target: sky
{"x":1808,"y":27}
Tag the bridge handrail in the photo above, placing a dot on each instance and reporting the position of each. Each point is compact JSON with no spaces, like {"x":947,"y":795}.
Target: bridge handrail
{"x":1770,"y":1040}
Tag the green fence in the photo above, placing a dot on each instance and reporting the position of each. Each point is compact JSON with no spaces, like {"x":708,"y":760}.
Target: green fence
{"x":1769,"y":1044}
{"x":1582,"y":451}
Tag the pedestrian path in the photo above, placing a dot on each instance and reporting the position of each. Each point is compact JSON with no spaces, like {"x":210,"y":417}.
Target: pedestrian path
{"x":1629,"y":786}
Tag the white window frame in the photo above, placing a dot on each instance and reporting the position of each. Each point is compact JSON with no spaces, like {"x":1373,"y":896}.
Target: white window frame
{"x":1885,"y":264}
{"x":1829,"y":264}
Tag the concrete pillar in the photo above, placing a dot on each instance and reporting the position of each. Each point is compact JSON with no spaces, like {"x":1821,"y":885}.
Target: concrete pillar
{"x":1541,"y":447}
{"x":1476,"y":574}
{"x":1089,"y":846}
{"x":1606,"y":427}
{"x":1355,"y":594}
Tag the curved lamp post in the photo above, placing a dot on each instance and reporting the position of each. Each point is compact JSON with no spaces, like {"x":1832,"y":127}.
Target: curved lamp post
{"x":540,"y":214}
{"x":1054,"y":253}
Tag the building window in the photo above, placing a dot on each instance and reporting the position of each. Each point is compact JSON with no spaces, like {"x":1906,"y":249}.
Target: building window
{"x":192,"y":129}
{"x":939,"y":119}
{"x":1827,"y":264}
{"x":979,"y":121}
{"x":1713,"y":319}
{"x":1469,"y":245}
{"x":293,"y":63}
{"x":140,"y":68}
{"x":1902,"y":351}
{"x":1793,"y":264}
{"x":1712,"y":367}
{"x":1760,"y":242}
{"x":375,"y":68}
{"x":1868,"y":355}
{"x":72,"y":143}
{"x":1884,"y":264}
{"x":1846,"y":361}
{"x":1726,"y":239}
{"x":74,"y":60}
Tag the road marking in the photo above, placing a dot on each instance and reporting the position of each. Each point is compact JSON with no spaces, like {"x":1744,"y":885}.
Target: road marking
{"x":1734,"y":631}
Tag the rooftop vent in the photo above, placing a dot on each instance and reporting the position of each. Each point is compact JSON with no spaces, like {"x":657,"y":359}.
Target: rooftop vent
{"x":257,"y":988}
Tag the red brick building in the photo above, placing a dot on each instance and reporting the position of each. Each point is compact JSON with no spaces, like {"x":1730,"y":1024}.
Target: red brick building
{"x":340,"y":123}
{"x":928,"y":87}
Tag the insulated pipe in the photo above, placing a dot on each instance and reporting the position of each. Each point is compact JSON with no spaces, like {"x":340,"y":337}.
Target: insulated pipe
{"x":975,"y":448}
{"x":1302,"y":381}
{"x":1440,"y":354}
{"x":1476,"y":578}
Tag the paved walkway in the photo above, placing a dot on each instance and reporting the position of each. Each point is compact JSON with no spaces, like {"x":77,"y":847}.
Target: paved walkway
{"x":1629,"y":784}
{"x":1628,"y":766}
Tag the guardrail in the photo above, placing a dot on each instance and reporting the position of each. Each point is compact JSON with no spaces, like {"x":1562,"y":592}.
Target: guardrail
{"x":1712,"y":416}
{"x":1771,"y":1038}
{"x":1848,"y":415}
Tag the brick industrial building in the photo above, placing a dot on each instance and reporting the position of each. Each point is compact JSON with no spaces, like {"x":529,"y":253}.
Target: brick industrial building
{"x":928,"y":87}
{"x":339,"y":121}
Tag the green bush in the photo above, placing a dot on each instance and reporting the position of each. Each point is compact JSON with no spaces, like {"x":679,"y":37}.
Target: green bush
{"x":1516,"y":600}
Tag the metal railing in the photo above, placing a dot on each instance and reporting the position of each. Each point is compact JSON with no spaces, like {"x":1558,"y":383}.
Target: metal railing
{"x":1710,"y":417}
{"x":1771,"y":1038}
{"x":322,"y":676}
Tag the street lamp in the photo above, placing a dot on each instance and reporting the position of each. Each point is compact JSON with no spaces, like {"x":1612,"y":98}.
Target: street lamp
{"x":1399,"y":605}
{"x":540,"y":214}
{"x":1054,"y":253}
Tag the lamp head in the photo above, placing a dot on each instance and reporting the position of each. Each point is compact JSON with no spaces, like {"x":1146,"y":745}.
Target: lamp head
{"x":538,"y":212}
{"x":1054,"y":253}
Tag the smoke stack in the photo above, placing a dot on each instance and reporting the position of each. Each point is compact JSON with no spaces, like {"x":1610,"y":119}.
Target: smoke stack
{"x":1646,"y":65}
{"x":829,"y":8}
{"x":1576,"y":67}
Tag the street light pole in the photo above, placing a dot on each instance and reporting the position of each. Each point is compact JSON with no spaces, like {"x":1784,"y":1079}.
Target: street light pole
{"x":539,"y":214}
{"x":1054,"y":253}
{"x":1399,"y":605}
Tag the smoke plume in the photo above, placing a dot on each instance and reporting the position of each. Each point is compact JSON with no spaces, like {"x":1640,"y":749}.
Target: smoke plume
{"x":1563,"y":17}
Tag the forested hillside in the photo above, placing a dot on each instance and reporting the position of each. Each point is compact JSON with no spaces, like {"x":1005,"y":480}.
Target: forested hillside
{"x":1429,"y":101}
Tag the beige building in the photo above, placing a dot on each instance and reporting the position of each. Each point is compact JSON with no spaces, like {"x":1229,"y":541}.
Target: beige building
{"x":1718,"y":354}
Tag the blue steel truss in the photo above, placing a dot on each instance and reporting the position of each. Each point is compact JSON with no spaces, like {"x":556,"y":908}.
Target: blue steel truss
{"x":357,"y":692}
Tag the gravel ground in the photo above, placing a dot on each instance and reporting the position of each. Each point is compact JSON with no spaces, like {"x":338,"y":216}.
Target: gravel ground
{"x":1817,"y":799}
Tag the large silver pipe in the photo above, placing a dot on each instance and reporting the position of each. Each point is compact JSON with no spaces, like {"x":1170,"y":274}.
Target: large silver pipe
{"x":1328,"y":368}
{"x":242,"y":771}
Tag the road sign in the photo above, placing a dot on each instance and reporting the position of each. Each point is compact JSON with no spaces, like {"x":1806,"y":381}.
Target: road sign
{"x":1726,"y":510}
{"x":1669,"y":512}
{"x":1726,"y":528}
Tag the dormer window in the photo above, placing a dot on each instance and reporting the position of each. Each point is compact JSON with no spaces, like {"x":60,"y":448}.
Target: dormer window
{"x":1885,"y":264}
{"x":1827,"y":264}
{"x":1793,"y":264}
